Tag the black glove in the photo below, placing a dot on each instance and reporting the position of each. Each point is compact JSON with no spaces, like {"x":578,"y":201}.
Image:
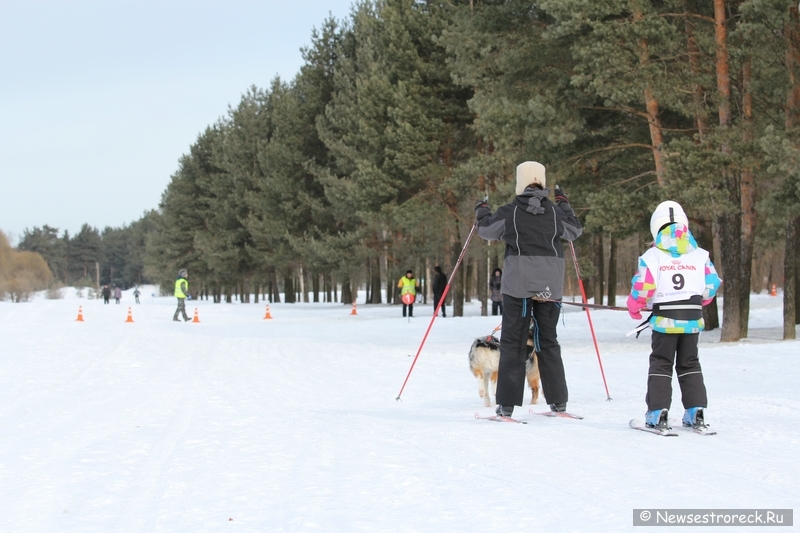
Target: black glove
{"x":481,"y":204}
{"x":560,"y":196}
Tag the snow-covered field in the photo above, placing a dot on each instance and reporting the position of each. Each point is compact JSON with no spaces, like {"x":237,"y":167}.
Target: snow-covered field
{"x":291,"y":424}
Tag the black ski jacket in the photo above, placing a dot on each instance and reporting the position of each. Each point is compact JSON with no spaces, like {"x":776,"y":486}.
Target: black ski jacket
{"x":532,"y":228}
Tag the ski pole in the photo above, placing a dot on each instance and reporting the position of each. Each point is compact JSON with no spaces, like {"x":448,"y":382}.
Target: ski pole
{"x":438,"y":306}
{"x":589,"y":316}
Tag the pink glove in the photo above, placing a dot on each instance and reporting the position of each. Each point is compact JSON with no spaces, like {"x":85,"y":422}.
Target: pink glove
{"x":634,"y":308}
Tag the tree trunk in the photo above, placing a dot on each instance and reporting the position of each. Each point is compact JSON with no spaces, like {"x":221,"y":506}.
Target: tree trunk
{"x":376,"y":282}
{"x":276,"y":294}
{"x":347,"y":295}
{"x":288,"y":287}
{"x":469,"y":290}
{"x":796,"y":271}
{"x":748,"y":204}
{"x":600,"y":274}
{"x":483,"y":282}
{"x":392,"y":295}
{"x":326,"y":281}
{"x":457,"y":288}
{"x":653,"y":111}
{"x":789,"y":279}
{"x":729,"y":223}
{"x":705,"y":239}
{"x":698,"y":92}
{"x":304,"y":284}
{"x":612,"y":271}
{"x":790,"y":314}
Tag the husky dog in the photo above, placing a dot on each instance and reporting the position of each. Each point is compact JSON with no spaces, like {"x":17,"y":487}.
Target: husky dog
{"x":484,"y":359}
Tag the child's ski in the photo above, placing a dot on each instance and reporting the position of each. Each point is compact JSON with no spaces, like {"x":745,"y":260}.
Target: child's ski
{"x":703,"y":430}
{"x":637,"y":424}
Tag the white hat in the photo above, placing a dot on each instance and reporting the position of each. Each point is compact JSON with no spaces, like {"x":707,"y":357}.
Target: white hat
{"x":528,"y":173}
{"x":666,"y":213}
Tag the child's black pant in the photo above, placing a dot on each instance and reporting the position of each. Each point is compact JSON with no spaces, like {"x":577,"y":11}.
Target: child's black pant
{"x":680,"y":350}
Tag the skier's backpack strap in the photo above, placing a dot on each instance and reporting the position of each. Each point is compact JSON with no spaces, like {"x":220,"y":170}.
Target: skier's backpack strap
{"x":641,"y":327}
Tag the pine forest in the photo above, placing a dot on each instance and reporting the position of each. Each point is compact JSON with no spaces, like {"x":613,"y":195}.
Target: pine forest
{"x":371,"y":160}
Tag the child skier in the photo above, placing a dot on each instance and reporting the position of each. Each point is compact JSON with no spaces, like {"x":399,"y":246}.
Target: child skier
{"x":675,"y":280}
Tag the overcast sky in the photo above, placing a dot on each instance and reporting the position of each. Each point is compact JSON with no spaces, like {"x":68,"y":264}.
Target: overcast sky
{"x":99,"y":99}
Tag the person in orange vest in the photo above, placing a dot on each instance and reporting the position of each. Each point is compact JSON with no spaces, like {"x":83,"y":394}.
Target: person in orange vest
{"x":408,"y":285}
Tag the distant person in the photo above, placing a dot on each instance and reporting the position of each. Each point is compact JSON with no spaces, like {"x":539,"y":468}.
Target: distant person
{"x":106,"y":294}
{"x":408,"y":285}
{"x":439,"y":283}
{"x":495,"y":285}
{"x":117,"y":293}
{"x":136,"y":294}
{"x":181,"y":293}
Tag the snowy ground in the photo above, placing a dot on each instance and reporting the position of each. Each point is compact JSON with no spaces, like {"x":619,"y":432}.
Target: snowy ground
{"x":291,"y":424}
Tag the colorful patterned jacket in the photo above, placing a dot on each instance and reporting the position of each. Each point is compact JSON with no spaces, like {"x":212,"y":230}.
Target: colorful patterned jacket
{"x":676,"y":241}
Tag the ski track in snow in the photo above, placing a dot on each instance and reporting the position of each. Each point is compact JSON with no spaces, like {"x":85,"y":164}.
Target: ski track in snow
{"x":292,"y":424}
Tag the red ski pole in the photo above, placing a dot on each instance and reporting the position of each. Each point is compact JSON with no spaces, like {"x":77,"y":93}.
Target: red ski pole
{"x":589,"y":316}
{"x":438,"y":306}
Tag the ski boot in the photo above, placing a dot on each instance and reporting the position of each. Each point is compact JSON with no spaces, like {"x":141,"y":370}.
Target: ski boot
{"x":505,"y":410}
{"x":657,"y":419}
{"x":693,"y":418}
{"x":558,"y":407}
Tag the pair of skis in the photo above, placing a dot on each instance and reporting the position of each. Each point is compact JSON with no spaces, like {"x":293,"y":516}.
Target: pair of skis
{"x":668,"y":431}
{"x":551,"y":414}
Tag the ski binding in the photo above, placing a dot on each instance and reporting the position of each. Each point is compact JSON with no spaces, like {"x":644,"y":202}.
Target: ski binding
{"x":639,"y":425}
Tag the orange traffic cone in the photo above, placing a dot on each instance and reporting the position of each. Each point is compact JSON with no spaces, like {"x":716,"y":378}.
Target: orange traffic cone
{"x":773,"y":290}
{"x":80,"y":314}
{"x":267,"y":316}
{"x":196,"y":316}
{"x":353,"y":312}
{"x":130,"y":316}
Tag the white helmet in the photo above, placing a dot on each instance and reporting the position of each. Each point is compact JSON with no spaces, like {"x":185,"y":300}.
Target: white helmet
{"x":666,"y":213}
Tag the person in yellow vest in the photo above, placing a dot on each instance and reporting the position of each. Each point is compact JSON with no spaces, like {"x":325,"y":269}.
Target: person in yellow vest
{"x":408,"y":285}
{"x":181,"y":293}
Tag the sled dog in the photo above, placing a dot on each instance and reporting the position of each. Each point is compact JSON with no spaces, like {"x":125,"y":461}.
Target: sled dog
{"x":484,"y":359}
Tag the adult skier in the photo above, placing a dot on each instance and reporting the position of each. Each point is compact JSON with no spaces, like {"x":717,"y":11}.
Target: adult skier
{"x":181,"y":293}
{"x":675,"y":280}
{"x":533,"y":275}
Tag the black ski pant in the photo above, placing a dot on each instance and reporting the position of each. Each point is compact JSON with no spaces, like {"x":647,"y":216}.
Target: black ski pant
{"x":181,"y":309}
{"x":497,"y":307}
{"x":680,"y":350}
{"x":518,"y":315}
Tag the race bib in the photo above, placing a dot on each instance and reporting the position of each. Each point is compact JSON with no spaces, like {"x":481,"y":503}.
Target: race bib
{"x":677,"y":278}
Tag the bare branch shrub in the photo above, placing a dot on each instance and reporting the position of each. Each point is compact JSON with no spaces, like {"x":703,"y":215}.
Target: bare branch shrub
{"x":56,"y":291}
